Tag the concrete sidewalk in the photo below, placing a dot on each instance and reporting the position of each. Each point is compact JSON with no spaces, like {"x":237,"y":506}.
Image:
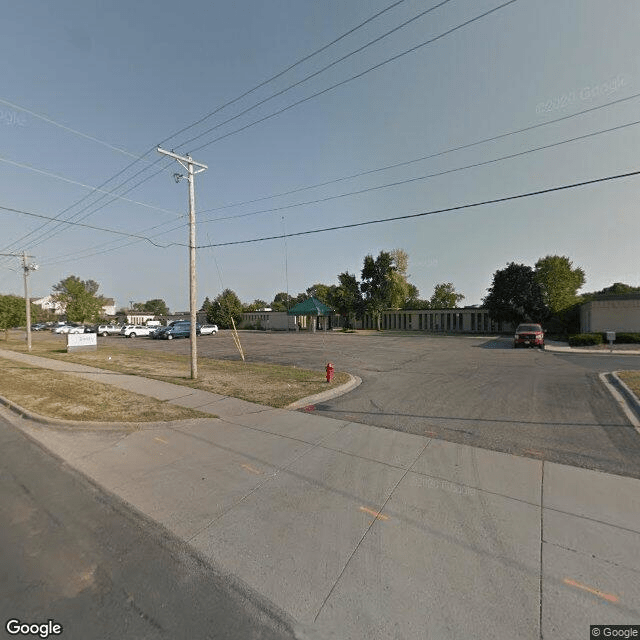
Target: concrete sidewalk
{"x":363,"y":532}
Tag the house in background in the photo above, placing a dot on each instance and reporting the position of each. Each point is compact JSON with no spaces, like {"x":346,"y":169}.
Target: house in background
{"x":49,"y":304}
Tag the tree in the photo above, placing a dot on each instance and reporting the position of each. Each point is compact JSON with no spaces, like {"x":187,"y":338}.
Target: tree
{"x":347,"y":297}
{"x":377,"y":284}
{"x":617,"y":289}
{"x":401,"y":290}
{"x":282,"y":302}
{"x":559,"y":282}
{"x":323,"y":292}
{"x":12,"y":313}
{"x":256,"y":305}
{"x":515,"y":296}
{"x":225,"y":306}
{"x":445,"y":296}
{"x":79,"y":299}
{"x":157,"y":306}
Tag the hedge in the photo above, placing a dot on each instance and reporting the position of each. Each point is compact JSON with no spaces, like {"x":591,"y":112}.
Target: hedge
{"x":585,"y":339}
{"x":626,"y":338}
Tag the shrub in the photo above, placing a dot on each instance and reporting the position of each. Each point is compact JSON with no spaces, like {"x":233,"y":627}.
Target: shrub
{"x":585,"y":339}
{"x":627,"y":338}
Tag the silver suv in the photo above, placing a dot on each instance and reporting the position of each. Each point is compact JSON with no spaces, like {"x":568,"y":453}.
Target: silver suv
{"x":108,"y":329}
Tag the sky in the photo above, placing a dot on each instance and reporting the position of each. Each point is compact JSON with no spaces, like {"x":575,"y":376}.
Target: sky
{"x":90,"y":89}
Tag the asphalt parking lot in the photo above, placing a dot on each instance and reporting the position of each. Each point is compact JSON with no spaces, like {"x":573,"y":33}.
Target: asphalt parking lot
{"x":472,"y":390}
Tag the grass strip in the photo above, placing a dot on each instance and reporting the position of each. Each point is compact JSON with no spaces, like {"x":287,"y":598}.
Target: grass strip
{"x":269,"y":384}
{"x":632,"y":380}
{"x":60,"y":395}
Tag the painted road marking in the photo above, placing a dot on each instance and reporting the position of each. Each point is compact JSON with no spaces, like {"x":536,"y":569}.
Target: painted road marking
{"x":248,"y":467}
{"x":161,"y":440}
{"x":535,"y":452}
{"x":377,"y":514}
{"x":431,"y":433}
{"x":606,"y":596}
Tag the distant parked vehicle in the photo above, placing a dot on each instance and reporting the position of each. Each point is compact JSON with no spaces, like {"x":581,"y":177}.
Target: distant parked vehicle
{"x":157,"y":331}
{"x":76,"y":329}
{"x":179,"y":330}
{"x":208,"y":329}
{"x":61,"y":328}
{"x":133,"y":330}
{"x":41,"y":326}
{"x":105,"y":330}
{"x":529,"y":335}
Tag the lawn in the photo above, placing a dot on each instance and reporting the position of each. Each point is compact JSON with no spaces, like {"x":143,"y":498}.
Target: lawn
{"x":269,"y":384}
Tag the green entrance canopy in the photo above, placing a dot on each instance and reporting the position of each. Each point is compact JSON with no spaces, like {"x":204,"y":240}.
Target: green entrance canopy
{"x":310,"y":307}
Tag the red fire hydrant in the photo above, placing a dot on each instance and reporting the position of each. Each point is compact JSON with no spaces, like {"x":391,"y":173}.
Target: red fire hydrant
{"x":329,"y":372}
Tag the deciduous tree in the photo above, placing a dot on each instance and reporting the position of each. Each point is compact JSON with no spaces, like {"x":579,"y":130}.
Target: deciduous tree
{"x":515,"y":296}
{"x":79,"y":299}
{"x":225,"y":306}
{"x":559,"y":282}
{"x":445,"y":296}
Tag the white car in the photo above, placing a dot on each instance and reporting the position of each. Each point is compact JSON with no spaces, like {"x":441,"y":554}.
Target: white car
{"x":208,"y":329}
{"x":79,"y":329}
{"x":133,"y":330}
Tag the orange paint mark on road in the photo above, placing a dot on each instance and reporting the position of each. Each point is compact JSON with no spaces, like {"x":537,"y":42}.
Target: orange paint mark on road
{"x":431,"y":433}
{"x":535,"y":452}
{"x":377,"y":514}
{"x":605,"y":596}
{"x":161,"y":440}
{"x":248,"y":467}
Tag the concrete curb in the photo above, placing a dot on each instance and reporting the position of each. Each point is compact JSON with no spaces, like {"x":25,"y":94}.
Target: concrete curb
{"x":82,"y":425}
{"x":621,"y":393}
{"x":354,"y":381}
{"x":562,"y":348}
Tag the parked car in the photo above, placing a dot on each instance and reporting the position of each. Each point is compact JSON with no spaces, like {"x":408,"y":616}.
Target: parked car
{"x":178,"y":330}
{"x":61,"y":328}
{"x":208,"y":329}
{"x":76,"y":329}
{"x":157,"y":332}
{"x":133,"y":330}
{"x":41,"y":326}
{"x":529,"y":335}
{"x":105,"y":330}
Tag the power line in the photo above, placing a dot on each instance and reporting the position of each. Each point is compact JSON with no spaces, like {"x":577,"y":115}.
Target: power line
{"x":316,"y":73}
{"x":424,"y":177}
{"x":392,"y":184}
{"x":150,"y":150}
{"x":70,"y":129}
{"x":358,"y":75}
{"x":420,"y":159}
{"x":81,"y":184}
{"x":87,"y":226}
{"x":280,"y":73}
{"x":426,"y":213}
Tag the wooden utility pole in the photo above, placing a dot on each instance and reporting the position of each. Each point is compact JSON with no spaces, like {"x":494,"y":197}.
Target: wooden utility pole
{"x":188,"y":164}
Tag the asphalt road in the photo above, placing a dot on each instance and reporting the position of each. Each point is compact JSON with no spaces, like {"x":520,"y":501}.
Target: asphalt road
{"x":474,"y":391}
{"x":75,"y":555}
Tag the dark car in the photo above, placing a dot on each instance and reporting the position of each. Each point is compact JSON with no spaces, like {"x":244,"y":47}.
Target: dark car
{"x":529,"y":335}
{"x":178,"y":330}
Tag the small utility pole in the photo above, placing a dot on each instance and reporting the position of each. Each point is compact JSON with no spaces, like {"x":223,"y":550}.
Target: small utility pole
{"x":188,"y":164}
{"x":26,"y":268}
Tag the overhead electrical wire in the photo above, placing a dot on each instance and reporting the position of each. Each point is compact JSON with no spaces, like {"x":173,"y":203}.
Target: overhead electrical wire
{"x":208,"y":115}
{"x":316,"y":73}
{"x":409,"y":180}
{"x":405,"y":163}
{"x":482,"y":203}
{"x":359,"y":75}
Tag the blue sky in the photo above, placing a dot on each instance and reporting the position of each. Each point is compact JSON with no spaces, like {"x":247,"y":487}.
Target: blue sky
{"x":127,"y":75}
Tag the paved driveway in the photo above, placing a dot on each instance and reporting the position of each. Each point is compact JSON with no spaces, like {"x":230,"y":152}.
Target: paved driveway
{"x":475,"y":391}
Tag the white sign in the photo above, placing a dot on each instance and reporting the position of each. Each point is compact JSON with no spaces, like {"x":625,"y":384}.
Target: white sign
{"x":75,"y":340}
{"x":611,"y":336}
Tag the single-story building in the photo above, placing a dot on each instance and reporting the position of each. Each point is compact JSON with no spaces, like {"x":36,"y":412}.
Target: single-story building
{"x":620,"y":313}
{"x":47,"y":303}
{"x":467,"y":320}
